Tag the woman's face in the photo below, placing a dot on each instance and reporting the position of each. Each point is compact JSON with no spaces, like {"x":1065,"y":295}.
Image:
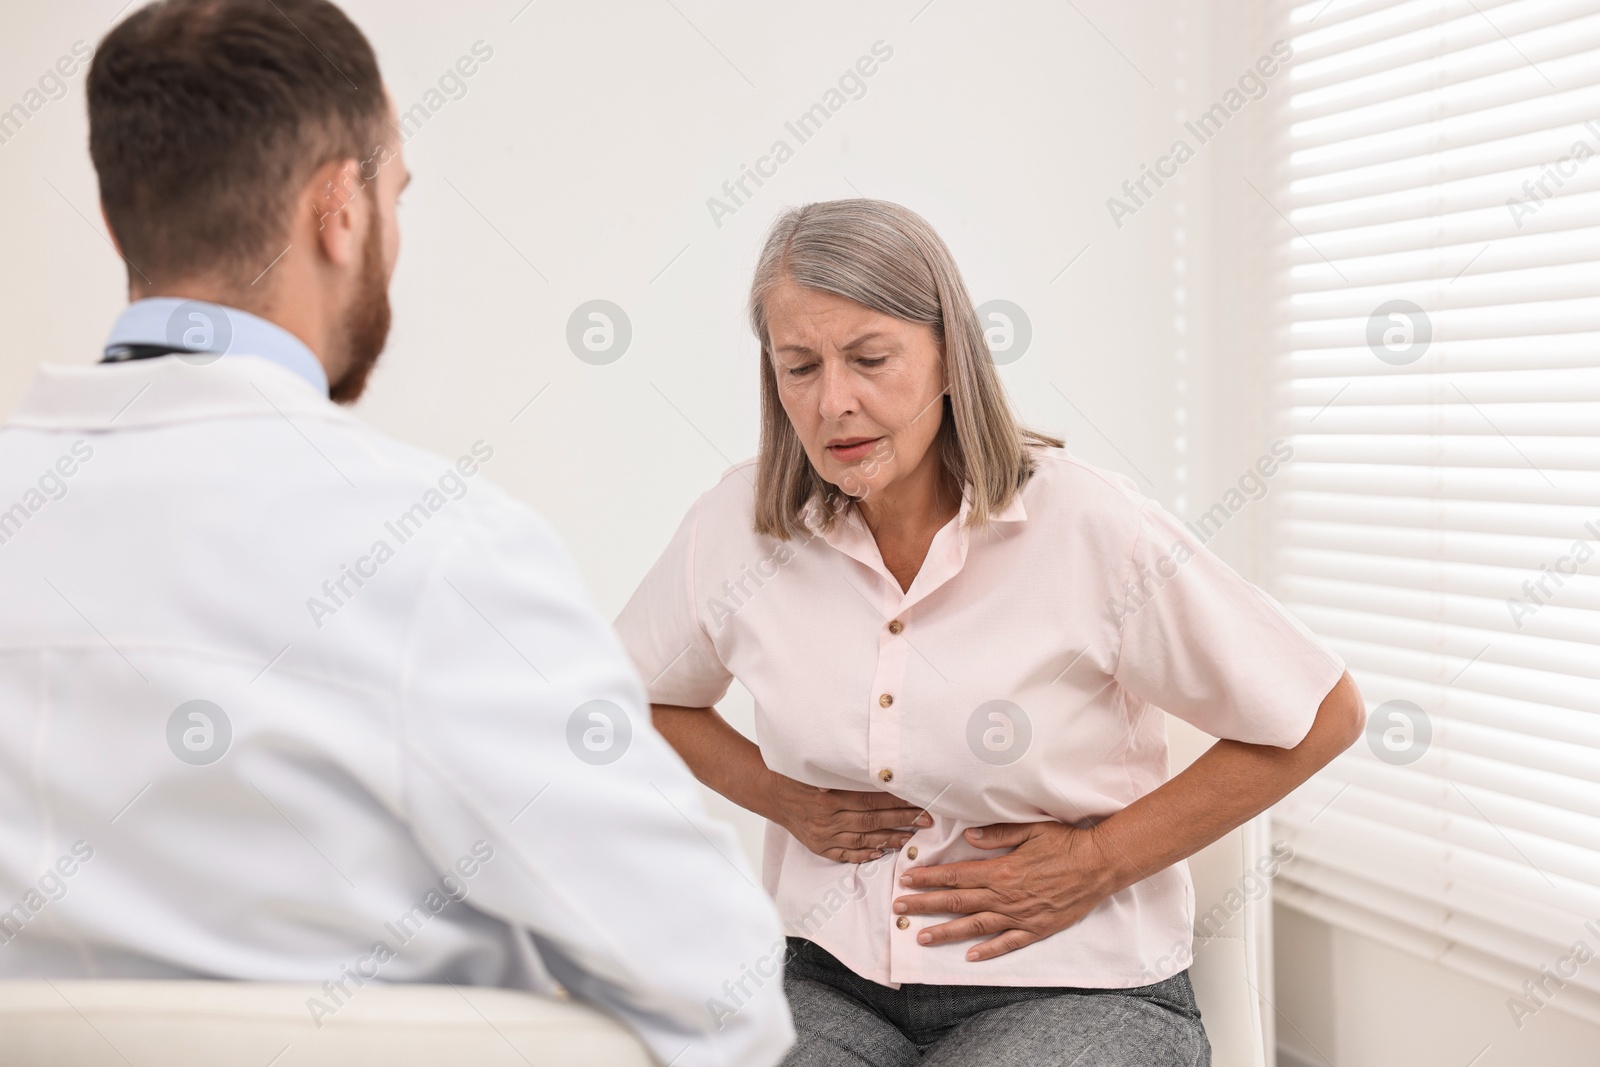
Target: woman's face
{"x":861,"y":388}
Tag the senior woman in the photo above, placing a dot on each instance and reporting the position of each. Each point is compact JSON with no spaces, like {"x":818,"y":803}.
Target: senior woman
{"x":958,"y":637}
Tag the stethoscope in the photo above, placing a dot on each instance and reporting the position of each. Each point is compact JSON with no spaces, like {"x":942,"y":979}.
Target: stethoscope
{"x":122,"y":353}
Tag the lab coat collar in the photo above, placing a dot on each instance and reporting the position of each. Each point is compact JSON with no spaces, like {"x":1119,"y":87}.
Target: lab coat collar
{"x":218,"y":328}
{"x":166,"y":390}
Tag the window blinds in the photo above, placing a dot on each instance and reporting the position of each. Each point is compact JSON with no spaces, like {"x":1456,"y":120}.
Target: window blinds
{"x":1434,"y":342}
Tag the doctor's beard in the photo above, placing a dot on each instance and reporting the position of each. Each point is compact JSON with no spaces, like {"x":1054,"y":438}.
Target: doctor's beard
{"x":364,"y":327}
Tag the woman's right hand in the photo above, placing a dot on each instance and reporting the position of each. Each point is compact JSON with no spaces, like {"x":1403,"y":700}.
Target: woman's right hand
{"x":841,"y":824}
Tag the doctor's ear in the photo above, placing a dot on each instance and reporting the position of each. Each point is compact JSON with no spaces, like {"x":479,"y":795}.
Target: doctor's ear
{"x":335,"y":202}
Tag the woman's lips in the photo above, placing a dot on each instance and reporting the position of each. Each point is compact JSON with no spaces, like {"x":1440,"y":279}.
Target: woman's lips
{"x":851,"y":453}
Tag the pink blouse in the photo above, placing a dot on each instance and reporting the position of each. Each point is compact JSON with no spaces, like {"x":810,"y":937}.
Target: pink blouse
{"x":1020,"y":678}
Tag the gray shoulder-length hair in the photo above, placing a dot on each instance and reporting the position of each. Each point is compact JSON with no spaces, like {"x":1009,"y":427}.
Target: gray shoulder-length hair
{"x":887,"y":258}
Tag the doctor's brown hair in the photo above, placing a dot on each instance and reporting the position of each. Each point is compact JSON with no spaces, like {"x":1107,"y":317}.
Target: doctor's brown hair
{"x":885,"y":257}
{"x":207,"y":118}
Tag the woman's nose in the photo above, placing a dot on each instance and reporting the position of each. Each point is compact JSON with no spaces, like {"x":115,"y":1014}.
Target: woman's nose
{"x":837,"y":392}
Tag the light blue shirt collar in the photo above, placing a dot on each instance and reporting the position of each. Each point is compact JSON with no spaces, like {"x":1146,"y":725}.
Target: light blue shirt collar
{"x":203,"y":327}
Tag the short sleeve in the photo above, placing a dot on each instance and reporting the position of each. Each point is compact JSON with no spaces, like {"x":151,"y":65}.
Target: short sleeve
{"x":660,"y":628}
{"x":1205,"y":644}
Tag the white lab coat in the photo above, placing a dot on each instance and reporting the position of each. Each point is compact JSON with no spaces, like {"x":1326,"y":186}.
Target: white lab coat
{"x":404,"y":791}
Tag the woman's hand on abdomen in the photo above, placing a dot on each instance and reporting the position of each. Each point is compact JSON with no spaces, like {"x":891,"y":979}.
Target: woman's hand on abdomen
{"x":841,"y":824}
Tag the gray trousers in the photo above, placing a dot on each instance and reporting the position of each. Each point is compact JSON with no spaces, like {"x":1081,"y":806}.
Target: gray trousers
{"x":843,"y":1020}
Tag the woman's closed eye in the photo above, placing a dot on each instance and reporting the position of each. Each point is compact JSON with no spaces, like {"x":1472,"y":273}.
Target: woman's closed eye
{"x":869,"y":362}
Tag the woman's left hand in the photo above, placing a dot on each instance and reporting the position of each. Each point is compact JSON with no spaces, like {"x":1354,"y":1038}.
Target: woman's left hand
{"x":1054,"y":876}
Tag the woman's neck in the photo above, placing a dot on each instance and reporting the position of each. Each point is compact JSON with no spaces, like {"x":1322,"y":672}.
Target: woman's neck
{"x":905,"y":515}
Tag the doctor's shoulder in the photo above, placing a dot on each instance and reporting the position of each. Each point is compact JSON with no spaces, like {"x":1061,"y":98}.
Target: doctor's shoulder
{"x":447,"y":498}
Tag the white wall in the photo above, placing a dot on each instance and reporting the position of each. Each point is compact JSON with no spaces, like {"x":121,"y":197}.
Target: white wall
{"x":1356,"y":1002}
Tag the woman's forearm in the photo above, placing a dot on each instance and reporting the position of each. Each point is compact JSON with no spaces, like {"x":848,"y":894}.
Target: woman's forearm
{"x":1227,"y":786}
{"x":720,"y":756}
